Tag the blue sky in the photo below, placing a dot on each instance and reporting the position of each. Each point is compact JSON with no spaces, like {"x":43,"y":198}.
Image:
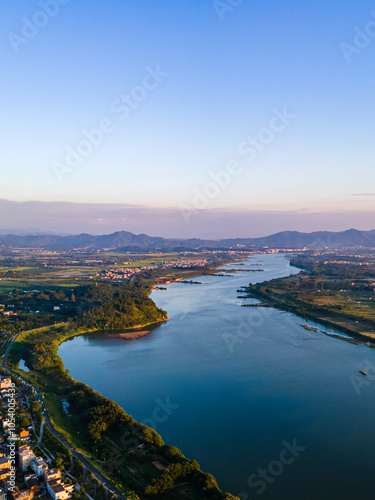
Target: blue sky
{"x":221,"y":75}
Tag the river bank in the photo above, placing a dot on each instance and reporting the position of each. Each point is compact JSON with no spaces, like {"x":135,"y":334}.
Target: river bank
{"x":346,"y":324}
{"x":129,"y":335}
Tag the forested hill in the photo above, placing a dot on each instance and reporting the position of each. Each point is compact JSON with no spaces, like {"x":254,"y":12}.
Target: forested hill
{"x":101,"y":306}
{"x":122,"y":306}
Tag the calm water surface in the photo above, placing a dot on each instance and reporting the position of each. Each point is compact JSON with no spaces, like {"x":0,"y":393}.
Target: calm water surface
{"x":240,"y":382}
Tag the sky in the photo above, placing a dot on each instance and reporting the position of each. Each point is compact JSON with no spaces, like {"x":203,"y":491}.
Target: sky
{"x":187,"y":118}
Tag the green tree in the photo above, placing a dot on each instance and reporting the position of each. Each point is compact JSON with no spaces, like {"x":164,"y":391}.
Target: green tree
{"x":25,"y":422}
{"x":59,"y":463}
{"x":35,"y":406}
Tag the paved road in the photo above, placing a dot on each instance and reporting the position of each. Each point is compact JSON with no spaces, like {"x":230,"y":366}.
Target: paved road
{"x":48,"y":423}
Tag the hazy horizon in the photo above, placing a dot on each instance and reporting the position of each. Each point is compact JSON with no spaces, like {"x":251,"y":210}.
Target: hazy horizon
{"x":75,"y":218}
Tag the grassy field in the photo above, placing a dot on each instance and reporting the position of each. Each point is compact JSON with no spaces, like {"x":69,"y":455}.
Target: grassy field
{"x":55,"y":270}
{"x":42,"y":279}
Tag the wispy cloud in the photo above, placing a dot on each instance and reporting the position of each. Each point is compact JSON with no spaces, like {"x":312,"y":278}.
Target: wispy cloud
{"x":362,"y":194}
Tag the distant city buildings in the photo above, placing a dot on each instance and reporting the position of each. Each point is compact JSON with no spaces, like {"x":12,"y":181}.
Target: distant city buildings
{"x":128,"y":272}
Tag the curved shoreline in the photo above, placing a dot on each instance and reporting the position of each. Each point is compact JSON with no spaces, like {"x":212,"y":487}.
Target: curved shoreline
{"x":267,"y":301}
{"x":134,"y":333}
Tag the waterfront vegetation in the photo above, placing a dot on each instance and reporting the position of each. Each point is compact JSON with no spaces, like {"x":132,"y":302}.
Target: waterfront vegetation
{"x":337,"y":289}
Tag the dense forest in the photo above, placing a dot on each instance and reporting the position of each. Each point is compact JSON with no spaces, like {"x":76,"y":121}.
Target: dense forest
{"x":96,"y":306}
{"x":118,"y":307}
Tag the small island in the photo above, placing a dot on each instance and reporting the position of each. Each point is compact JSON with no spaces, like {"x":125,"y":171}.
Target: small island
{"x":310,"y":328}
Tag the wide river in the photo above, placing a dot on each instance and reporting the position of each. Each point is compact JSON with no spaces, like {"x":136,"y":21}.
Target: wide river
{"x":273,"y":410}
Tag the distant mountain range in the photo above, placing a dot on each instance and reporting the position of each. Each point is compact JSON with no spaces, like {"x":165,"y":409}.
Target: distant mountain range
{"x":124,"y":240}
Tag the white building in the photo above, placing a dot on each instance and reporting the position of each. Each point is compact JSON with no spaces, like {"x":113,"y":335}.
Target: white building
{"x":25,"y":457}
{"x":59,"y":491}
{"x":6,"y":425}
{"x":39,"y":466}
{"x":52,"y":475}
